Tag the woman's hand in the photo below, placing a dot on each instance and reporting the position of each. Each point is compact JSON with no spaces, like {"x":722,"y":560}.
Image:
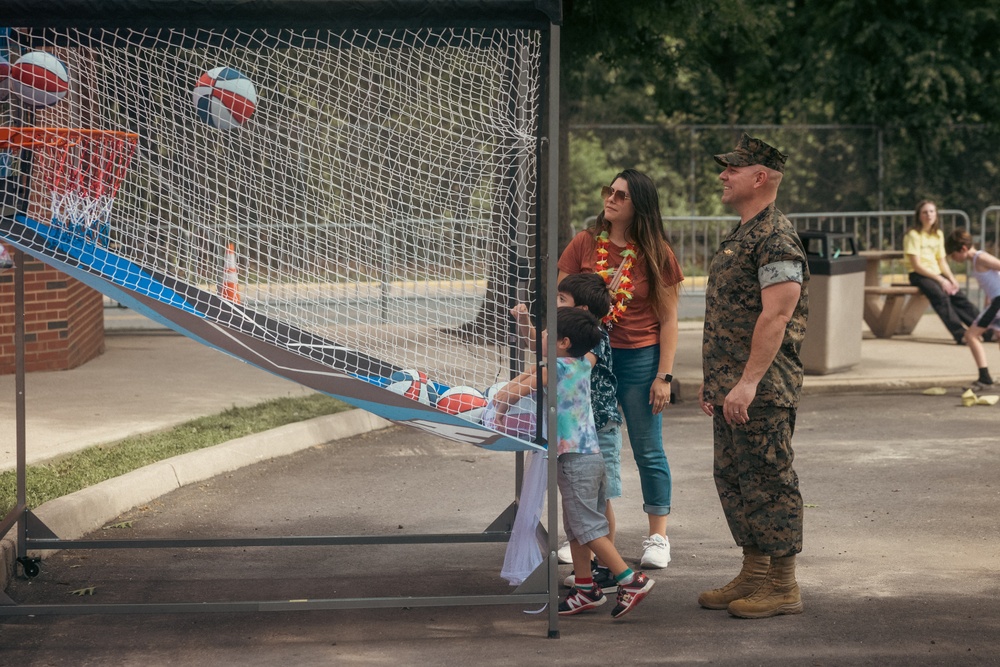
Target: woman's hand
{"x":659,"y":395}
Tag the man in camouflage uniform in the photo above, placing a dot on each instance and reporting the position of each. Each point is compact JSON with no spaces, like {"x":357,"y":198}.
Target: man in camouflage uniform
{"x":755,"y":318}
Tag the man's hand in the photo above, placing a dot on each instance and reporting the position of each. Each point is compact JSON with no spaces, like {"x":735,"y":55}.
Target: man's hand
{"x":738,"y":401}
{"x":707,"y":408}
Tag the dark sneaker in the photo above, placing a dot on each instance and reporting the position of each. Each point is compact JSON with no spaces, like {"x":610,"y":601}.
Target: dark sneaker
{"x":577,"y":601}
{"x":978,"y":386}
{"x":629,"y":595}
{"x":601,"y":575}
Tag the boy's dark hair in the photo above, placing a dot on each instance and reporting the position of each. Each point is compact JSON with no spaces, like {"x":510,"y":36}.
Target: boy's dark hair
{"x":590,"y":290}
{"x":957,"y":240}
{"x":582,"y":329}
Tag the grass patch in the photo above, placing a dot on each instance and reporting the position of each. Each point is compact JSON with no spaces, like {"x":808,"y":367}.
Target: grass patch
{"x":66,"y":475}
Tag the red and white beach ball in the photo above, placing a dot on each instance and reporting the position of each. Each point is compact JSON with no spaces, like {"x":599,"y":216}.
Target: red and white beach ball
{"x":465,"y":402}
{"x":224,"y":98}
{"x":413,"y":385}
{"x":39,"y":79}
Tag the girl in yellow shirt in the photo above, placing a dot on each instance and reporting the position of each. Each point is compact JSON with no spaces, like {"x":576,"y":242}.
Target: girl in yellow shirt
{"x":926,"y":262}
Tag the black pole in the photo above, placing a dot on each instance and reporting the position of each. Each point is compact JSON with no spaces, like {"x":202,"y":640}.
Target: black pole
{"x":21,"y":473}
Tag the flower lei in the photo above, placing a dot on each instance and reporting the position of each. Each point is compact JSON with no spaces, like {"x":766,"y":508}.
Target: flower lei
{"x":619,"y":282}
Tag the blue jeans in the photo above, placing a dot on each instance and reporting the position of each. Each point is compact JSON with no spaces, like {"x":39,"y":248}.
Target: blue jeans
{"x":610,"y":440}
{"x":635,"y":371}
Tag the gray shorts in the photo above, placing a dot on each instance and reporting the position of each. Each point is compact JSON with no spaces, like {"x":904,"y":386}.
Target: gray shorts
{"x":583,"y":484}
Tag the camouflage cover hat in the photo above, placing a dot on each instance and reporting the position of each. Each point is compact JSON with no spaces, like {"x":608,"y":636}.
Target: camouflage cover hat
{"x":751,"y":150}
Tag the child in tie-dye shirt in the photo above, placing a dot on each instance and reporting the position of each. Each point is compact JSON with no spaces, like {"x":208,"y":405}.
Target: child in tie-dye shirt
{"x":581,"y":475}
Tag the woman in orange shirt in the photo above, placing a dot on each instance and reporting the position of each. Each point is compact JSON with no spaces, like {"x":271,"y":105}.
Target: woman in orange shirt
{"x":628,"y":247}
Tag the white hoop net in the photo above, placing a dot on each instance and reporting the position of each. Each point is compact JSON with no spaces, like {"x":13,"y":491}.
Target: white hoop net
{"x":82,"y":171}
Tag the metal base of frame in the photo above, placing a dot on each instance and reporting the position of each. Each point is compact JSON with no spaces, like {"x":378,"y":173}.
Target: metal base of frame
{"x":532,"y":590}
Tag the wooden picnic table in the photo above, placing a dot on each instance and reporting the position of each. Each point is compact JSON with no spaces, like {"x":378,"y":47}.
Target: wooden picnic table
{"x":889,"y":309}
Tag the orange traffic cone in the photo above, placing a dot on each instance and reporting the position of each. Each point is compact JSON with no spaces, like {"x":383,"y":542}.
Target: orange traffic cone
{"x":230,"y":287}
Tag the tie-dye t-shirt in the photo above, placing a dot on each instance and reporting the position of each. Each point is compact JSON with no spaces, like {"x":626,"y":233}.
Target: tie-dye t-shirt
{"x":576,"y":417}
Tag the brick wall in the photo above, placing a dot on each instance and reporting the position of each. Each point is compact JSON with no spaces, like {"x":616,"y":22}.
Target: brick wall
{"x":63,"y":320}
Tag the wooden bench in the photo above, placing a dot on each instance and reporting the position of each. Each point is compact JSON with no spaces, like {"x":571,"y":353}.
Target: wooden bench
{"x":893,"y":310}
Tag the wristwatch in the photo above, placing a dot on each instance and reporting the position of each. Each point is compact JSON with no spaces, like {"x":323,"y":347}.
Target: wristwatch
{"x":666,"y":377}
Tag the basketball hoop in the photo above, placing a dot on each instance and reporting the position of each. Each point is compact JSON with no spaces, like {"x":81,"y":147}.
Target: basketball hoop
{"x":81,"y":169}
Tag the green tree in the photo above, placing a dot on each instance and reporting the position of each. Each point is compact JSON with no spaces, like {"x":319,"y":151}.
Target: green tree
{"x":925,"y":72}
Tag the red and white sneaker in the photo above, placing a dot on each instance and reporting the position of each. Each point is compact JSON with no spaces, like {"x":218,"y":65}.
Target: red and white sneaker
{"x":631,"y":594}
{"x":577,"y":601}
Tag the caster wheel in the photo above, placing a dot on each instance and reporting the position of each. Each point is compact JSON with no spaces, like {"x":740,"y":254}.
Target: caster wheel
{"x":30,"y":566}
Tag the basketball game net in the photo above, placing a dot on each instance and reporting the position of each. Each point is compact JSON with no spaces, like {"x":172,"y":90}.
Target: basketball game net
{"x":382,"y":195}
{"x":82,"y":170}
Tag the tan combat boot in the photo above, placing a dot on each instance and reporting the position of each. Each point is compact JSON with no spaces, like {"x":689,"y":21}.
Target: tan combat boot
{"x":779,"y":594}
{"x":749,"y":579}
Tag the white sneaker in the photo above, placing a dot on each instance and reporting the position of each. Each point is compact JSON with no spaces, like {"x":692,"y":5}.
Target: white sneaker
{"x":564,"y":554}
{"x":655,"y":552}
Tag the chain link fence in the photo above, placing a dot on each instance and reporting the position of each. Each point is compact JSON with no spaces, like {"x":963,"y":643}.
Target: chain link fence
{"x":830,"y":167}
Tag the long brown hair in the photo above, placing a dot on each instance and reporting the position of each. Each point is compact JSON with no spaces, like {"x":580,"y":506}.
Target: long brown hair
{"x":646,"y":232}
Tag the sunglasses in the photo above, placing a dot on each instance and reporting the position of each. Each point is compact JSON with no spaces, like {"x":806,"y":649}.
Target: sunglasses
{"x":619,"y":195}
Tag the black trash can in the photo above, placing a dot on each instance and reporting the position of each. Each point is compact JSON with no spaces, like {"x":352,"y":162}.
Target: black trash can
{"x":836,"y":303}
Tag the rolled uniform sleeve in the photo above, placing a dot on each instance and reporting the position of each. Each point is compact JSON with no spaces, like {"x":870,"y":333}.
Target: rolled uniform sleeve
{"x":780,"y":272}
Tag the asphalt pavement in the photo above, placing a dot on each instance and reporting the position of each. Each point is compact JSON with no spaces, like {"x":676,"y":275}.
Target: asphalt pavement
{"x":898,"y":567}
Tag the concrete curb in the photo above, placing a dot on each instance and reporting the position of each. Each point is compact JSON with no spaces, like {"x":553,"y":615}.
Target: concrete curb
{"x":77,"y":514}
{"x":866,"y":386}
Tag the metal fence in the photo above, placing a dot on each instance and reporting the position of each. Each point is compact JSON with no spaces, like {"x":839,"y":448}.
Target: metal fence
{"x":696,"y":238}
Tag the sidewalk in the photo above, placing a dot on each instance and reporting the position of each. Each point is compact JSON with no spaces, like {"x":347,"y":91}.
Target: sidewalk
{"x":151,"y":379}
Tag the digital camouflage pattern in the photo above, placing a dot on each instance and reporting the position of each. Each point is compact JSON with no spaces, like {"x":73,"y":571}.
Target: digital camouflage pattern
{"x":751,"y":150}
{"x":758,"y":488}
{"x":733,"y":303}
{"x":753,"y":462}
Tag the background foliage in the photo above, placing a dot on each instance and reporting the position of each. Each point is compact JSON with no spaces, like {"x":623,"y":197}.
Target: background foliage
{"x":879,"y":103}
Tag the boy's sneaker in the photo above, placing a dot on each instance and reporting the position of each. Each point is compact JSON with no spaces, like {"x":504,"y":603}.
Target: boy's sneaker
{"x":601,"y":575}
{"x":565,"y":555}
{"x":631,"y":594}
{"x":655,"y":552}
{"x":978,"y":386}
{"x":577,"y":601}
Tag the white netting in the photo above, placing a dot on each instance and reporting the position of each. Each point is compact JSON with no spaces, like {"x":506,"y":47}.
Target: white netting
{"x":381,"y":195}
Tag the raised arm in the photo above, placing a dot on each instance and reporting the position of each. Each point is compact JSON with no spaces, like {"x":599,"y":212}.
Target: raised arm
{"x":521,"y":386}
{"x":525,"y":330}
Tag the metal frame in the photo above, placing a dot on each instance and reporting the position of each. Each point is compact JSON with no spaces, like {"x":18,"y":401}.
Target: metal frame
{"x":540,"y":587}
